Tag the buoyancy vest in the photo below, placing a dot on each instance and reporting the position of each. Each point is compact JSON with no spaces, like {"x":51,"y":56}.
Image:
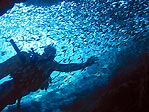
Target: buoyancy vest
{"x":29,"y":78}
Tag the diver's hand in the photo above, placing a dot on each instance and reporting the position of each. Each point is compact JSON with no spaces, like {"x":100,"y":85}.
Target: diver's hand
{"x":91,"y":60}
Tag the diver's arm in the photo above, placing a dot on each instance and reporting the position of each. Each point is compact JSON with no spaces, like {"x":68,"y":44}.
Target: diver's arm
{"x":74,"y":66}
{"x":69,"y":67}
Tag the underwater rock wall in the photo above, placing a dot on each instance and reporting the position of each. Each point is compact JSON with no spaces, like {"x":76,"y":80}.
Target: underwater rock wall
{"x":127,"y":91}
{"x":114,"y":31}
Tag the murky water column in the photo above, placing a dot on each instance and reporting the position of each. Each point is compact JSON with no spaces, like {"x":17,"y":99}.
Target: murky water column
{"x":111,"y":30}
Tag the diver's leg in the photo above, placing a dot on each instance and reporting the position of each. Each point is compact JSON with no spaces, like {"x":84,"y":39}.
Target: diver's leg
{"x":7,"y":94}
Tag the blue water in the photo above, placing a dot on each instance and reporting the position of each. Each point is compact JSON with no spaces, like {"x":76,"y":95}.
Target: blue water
{"x":115,"y":31}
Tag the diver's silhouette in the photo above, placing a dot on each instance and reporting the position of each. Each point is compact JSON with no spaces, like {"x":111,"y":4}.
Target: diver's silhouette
{"x":30,"y":72}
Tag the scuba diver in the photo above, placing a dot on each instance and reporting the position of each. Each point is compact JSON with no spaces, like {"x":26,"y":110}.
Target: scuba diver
{"x":8,"y":4}
{"x":30,"y":72}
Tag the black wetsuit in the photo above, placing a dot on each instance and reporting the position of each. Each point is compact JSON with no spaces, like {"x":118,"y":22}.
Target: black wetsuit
{"x":30,"y":79}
